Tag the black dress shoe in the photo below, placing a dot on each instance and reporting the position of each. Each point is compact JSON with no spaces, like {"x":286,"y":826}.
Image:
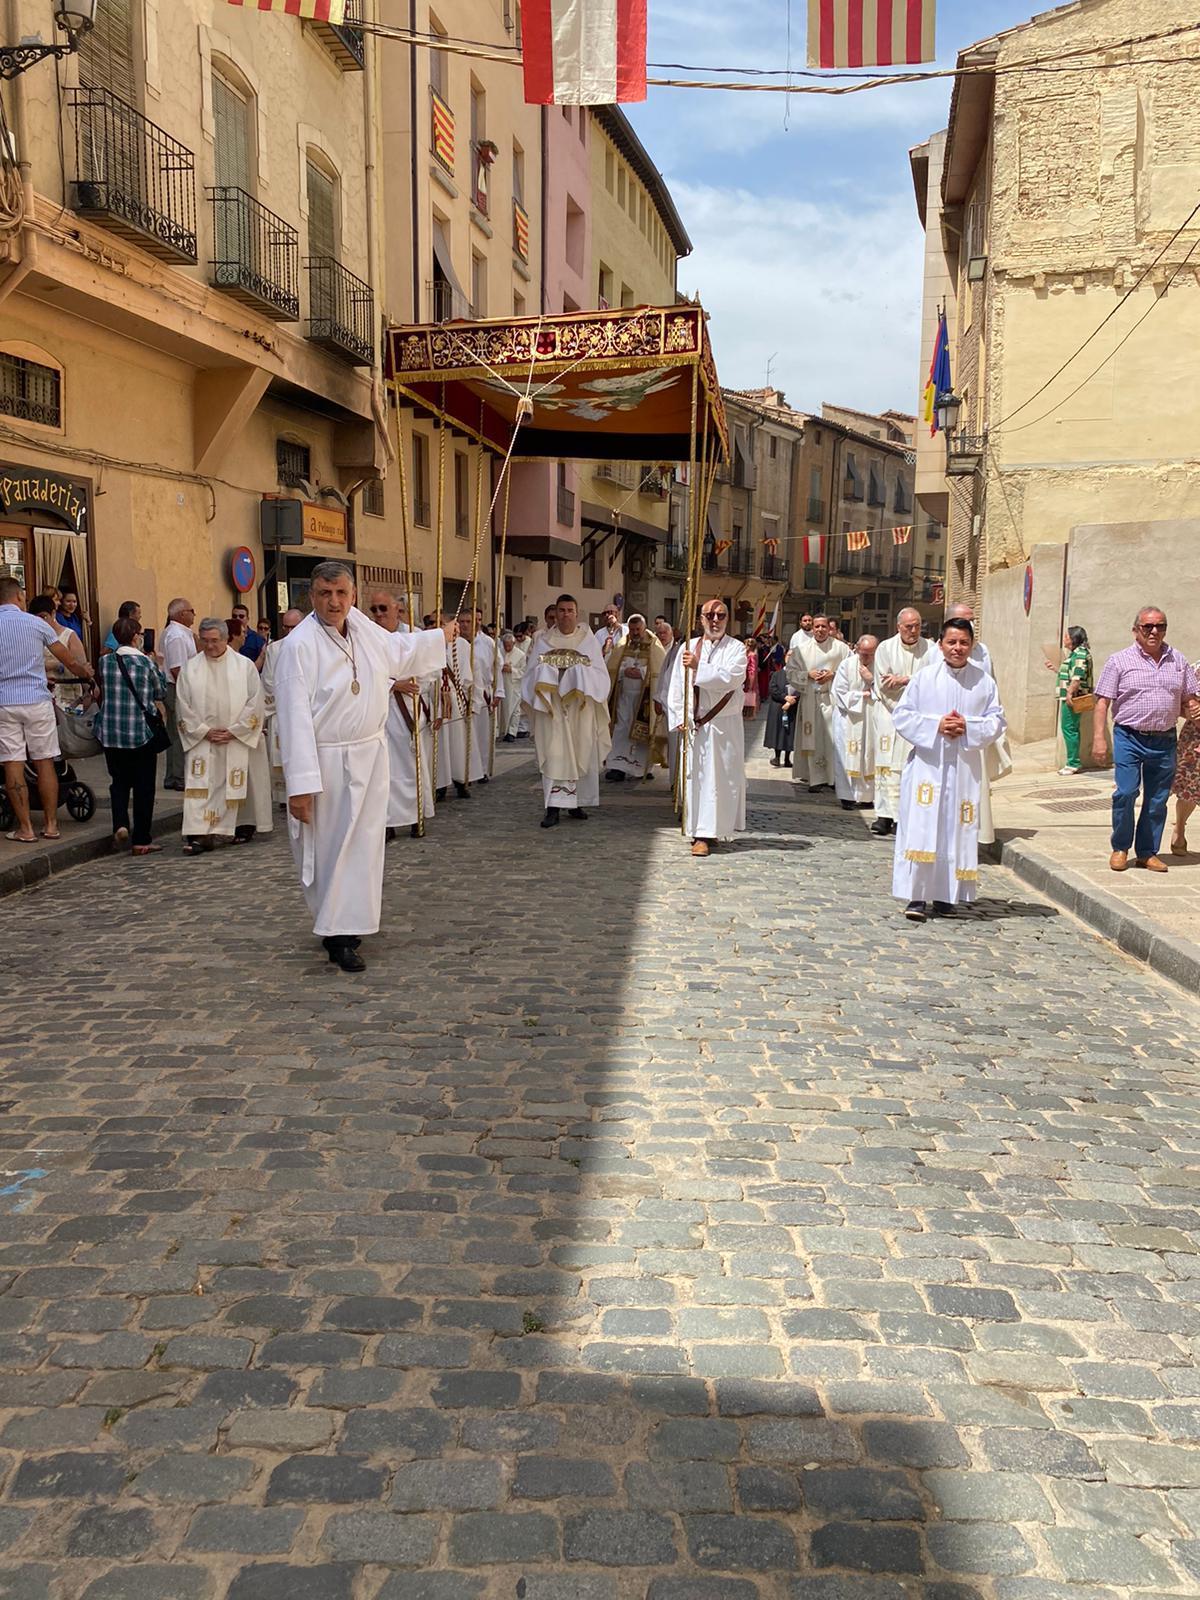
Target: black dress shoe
{"x":389,"y":834}
{"x":551,"y":819}
{"x":849,"y":805}
{"x":415,"y":831}
{"x":462,"y":791}
{"x":440,"y":794}
{"x":343,"y":952}
{"x":882,"y":826}
{"x":942,"y":908}
{"x":915,"y":911}
{"x":510,"y":738}
{"x":577,"y":815}
{"x":484,"y":779}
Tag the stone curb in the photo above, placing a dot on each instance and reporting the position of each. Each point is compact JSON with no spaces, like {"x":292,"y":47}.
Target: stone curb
{"x":43,"y":863}
{"x":1173,"y":958}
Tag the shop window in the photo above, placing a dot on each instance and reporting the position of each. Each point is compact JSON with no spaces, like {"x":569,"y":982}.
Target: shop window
{"x":30,"y":392}
{"x":293,"y":463}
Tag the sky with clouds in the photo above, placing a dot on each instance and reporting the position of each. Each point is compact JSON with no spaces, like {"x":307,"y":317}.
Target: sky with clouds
{"x":801,"y":209}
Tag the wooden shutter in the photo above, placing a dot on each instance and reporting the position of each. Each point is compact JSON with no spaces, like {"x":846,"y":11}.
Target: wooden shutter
{"x":106,"y":54}
{"x":234,"y":163}
{"x":322,"y":209}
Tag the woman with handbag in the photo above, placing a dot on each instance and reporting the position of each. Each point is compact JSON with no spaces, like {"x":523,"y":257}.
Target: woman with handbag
{"x":132,"y":729}
{"x":1186,"y":787}
{"x":1075,"y":696}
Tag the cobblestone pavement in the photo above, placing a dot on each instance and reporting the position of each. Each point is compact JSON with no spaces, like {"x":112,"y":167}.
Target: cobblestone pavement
{"x":707,"y":1234}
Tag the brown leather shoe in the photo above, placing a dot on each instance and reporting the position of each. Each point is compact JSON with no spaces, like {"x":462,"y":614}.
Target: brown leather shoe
{"x":1119,"y":860}
{"x":699,"y":847}
{"x":1152,"y":864}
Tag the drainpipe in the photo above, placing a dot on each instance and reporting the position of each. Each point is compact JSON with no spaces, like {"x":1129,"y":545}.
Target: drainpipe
{"x":374,"y":224}
{"x":416,"y":205}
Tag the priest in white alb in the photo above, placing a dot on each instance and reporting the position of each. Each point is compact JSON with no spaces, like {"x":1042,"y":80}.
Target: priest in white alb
{"x":227,"y":776}
{"x":266,"y":664}
{"x":489,"y":691}
{"x":897,"y":662}
{"x":950,"y":714}
{"x":565,"y":690}
{"x":854,"y":724}
{"x":459,"y":750}
{"x":705,"y":704}
{"x":634,"y":668}
{"x":810,"y":669}
{"x":332,"y":687}
{"x":409,"y":722}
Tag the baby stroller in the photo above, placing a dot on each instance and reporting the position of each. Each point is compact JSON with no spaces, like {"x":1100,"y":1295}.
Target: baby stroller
{"x":76,"y":737}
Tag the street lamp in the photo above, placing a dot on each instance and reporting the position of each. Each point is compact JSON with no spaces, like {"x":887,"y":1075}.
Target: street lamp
{"x":73,"y":17}
{"x":946,"y":409}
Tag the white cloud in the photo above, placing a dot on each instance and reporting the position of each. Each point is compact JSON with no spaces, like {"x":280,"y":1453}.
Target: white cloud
{"x":833,"y":292}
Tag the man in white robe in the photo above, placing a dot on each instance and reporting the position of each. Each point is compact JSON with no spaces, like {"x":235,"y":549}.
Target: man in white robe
{"x":567,"y":702}
{"x":514,"y":654}
{"x":672,"y":644}
{"x":267,"y":663}
{"x":227,"y":776}
{"x":612,"y":631}
{"x":997,"y":761}
{"x":705,"y":704}
{"x":460,"y":749}
{"x":854,"y":712}
{"x":803,"y":633}
{"x":810,"y":669}
{"x":332,"y":688}
{"x":897,"y":661}
{"x":409,"y":710}
{"x":489,"y":689}
{"x":634,"y":669}
{"x":950,"y":714}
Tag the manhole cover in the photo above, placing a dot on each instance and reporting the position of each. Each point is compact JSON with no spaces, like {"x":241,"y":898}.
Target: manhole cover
{"x":1075,"y":793}
{"x":1099,"y":804}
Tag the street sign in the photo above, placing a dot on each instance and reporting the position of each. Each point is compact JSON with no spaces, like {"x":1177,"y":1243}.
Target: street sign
{"x":242,"y":571}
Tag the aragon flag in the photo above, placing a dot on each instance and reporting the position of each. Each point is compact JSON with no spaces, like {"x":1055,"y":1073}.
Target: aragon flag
{"x":870,"y":33}
{"x":584,"y":52}
{"x":333,"y":11}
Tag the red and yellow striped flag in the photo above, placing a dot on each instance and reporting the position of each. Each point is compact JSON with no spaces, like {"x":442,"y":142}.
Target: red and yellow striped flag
{"x":313,"y":10}
{"x":902,"y":535}
{"x":520,"y":230}
{"x":442,"y":132}
{"x":860,"y":540}
{"x":870,"y":33}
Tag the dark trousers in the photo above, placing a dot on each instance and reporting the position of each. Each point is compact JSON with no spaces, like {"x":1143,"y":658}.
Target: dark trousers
{"x":1142,"y":762}
{"x":173,"y":776}
{"x":133,"y":772}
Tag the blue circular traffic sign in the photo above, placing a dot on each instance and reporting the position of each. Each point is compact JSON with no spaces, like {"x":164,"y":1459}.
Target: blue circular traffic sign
{"x":242,"y":569}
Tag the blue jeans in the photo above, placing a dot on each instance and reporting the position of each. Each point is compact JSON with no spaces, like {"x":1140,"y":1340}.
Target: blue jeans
{"x":1142,"y":761}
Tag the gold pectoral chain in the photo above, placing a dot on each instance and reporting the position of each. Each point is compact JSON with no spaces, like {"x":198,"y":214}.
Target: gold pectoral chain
{"x":350,"y":656}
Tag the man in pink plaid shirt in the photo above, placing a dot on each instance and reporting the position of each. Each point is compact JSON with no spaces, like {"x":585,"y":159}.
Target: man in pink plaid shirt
{"x":1149,"y":687}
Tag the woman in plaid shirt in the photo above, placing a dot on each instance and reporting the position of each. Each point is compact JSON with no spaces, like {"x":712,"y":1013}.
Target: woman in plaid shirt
{"x":125,"y":734}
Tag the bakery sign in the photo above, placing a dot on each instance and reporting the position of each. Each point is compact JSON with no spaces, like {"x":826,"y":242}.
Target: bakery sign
{"x":43,"y":496}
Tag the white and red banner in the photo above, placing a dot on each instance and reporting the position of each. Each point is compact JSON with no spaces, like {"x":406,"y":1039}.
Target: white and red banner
{"x":584,"y":52}
{"x":814,"y":550}
{"x":870,"y":33}
{"x":314,"y":10}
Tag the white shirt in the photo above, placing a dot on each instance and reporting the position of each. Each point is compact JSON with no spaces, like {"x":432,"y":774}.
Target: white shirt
{"x":178,"y":647}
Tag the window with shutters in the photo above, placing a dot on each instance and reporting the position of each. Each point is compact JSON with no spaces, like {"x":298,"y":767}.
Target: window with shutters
{"x":30,"y":391}
{"x":233,"y":118}
{"x":420,"y":480}
{"x":322,"y":211}
{"x":293,"y":463}
{"x":107,"y":54}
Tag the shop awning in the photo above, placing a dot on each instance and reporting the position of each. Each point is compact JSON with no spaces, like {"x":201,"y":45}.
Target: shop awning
{"x":604,"y":385}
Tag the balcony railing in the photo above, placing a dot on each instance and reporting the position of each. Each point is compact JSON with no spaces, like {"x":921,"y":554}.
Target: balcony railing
{"x":774,"y":569}
{"x":256,"y":255}
{"x":132,"y":177}
{"x":441,"y":130}
{"x":708,"y":561}
{"x":816,"y":510}
{"x":341,"y":310}
{"x":344,"y":40}
{"x":566,"y":507}
{"x":674,"y":559}
{"x":739,"y":558}
{"x":965,"y":453}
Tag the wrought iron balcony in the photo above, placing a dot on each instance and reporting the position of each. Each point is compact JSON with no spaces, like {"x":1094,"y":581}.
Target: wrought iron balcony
{"x":566,"y":507}
{"x":965,"y":453}
{"x":674,"y":558}
{"x":132,"y":177}
{"x":256,"y":255}
{"x":344,"y":40}
{"x":774,"y":569}
{"x":341,"y":310}
{"x":739,"y":558}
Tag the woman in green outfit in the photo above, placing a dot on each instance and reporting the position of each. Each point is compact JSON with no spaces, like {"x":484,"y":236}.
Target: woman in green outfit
{"x":1074,"y":678}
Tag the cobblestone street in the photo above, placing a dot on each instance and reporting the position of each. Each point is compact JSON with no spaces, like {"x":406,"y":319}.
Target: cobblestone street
{"x":635,"y":1228}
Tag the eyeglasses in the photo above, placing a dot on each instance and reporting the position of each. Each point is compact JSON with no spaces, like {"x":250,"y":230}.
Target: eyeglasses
{"x":1153,"y":627}
{"x":376,"y":610}
{"x":714,"y":616}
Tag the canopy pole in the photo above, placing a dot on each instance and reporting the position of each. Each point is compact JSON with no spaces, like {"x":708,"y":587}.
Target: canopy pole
{"x":498,"y":593}
{"x":689,"y":607}
{"x":408,"y":585}
{"x":441,"y":510}
{"x":472,"y":598}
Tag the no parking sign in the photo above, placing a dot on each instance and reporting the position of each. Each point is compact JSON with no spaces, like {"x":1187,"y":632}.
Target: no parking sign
{"x":242,"y":569}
